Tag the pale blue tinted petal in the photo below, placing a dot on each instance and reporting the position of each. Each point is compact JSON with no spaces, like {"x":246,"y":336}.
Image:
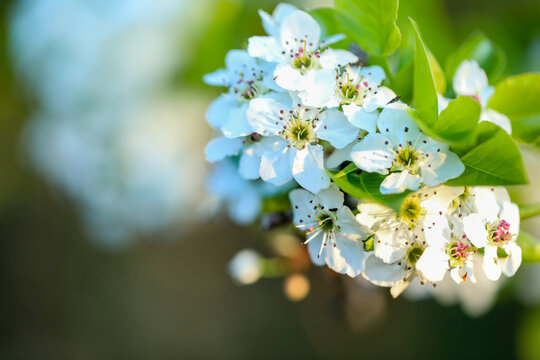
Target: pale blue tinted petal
{"x":308,"y":169}
{"x":373,"y":154}
{"x":335,"y":128}
{"x":220,"y":148}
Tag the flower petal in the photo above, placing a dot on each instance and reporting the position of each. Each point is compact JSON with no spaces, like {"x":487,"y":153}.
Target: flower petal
{"x":276,"y":167}
{"x":339,"y":156}
{"x":330,"y":198}
{"x":262,"y":115}
{"x":265,"y":47}
{"x":485,"y":203}
{"x":331,"y":58}
{"x":361,"y":118}
{"x":451,"y":168}
{"x":382,"y":274}
{"x":399,"y":182}
{"x":442,"y":102}
{"x":497,"y":118}
{"x":237,"y":124}
{"x":329,"y":40}
{"x":469,"y":79}
{"x":379,"y":100}
{"x":459,"y":274}
{"x":439,"y":198}
{"x":475,"y":229}
{"x":221,"y":147}
{"x":373,"y":75}
{"x":289,"y":78}
{"x":510,"y":264}
{"x":371,"y":214}
{"x":348,"y":257}
{"x":271,"y":24}
{"x":389,"y":243}
{"x":314,"y":247}
{"x":510,"y":213}
{"x":219,"y":111}
{"x":219,"y":77}
{"x":249,"y":164}
{"x":245,"y":207}
{"x":485,"y":95}
{"x":398,"y":124}
{"x":239,"y":61}
{"x":320,"y":89}
{"x":302,"y":205}
{"x":308,"y":168}
{"x":491,"y":265}
{"x":335,"y":128}
{"x":372,"y":154}
{"x":433,"y":264}
{"x":298,"y":27}
{"x":349,"y":227}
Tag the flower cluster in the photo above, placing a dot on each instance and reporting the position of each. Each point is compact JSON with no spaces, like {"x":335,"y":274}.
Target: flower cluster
{"x":439,"y":230}
{"x":298,"y":114}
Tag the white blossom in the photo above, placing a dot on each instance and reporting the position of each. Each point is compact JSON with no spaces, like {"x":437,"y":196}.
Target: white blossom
{"x":291,"y":149}
{"x":475,"y":298}
{"x":407,"y":243}
{"x":249,"y":149}
{"x":296,"y":109}
{"x":471,"y":80}
{"x":272,"y":23}
{"x":358,"y":89}
{"x":409,"y":158}
{"x":334,"y":237}
{"x":455,"y":255}
{"x":297,"y":49}
{"x":246,"y":78}
{"x":494,"y":226}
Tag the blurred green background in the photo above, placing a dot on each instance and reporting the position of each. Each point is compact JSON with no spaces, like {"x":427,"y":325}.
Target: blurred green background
{"x":168,"y":296}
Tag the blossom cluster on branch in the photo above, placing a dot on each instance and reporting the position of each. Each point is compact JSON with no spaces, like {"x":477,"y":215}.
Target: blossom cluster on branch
{"x":381,"y":187}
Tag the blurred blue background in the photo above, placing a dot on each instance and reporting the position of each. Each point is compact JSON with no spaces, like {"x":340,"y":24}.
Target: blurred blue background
{"x":109,"y":249}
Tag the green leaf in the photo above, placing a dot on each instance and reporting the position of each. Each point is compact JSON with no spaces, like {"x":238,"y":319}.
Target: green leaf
{"x":370,"y":23}
{"x":495,"y":160}
{"x":365,"y":186}
{"x":424,"y":90}
{"x":402,"y":62}
{"x":347,"y":169}
{"x":458,"y":122}
{"x":529,"y":210}
{"x":517,"y":96}
{"x":527,"y":130}
{"x":479,"y":48}
{"x":402,"y":84}
{"x":530,"y":247}
{"x":438,"y":74}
